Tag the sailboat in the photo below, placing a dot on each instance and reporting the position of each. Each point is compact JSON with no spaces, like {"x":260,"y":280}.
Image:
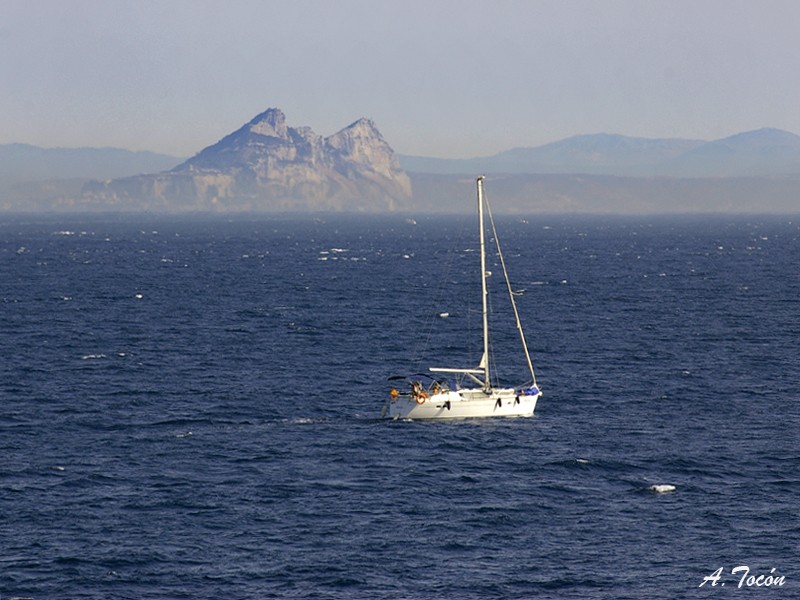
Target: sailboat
{"x":458,"y":393}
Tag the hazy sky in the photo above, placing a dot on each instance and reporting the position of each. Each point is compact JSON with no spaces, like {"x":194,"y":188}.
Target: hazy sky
{"x":452,"y":78}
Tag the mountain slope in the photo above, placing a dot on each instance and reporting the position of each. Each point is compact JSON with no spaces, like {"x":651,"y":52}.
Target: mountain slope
{"x":759,"y":152}
{"x":600,"y":153}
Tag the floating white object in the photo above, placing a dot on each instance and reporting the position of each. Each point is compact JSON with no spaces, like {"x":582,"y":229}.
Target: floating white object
{"x":662,"y":488}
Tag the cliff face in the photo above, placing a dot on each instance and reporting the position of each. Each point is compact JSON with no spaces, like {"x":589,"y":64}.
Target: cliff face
{"x":267,"y":165}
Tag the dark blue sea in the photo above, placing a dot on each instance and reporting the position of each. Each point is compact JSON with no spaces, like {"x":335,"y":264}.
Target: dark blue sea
{"x":189,"y":409}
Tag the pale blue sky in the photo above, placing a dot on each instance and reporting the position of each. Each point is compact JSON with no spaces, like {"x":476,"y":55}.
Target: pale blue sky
{"x":449,"y":78}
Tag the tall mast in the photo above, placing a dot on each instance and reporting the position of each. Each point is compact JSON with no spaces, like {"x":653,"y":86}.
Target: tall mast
{"x":484,"y":294}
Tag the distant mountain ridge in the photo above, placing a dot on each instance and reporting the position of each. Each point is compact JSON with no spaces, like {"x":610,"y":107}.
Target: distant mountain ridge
{"x":21,"y":163}
{"x":268,"y":165}
{"x":763,"y":152}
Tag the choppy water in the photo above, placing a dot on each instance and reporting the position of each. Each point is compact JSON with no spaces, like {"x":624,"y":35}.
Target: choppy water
{"x":188,"y":409}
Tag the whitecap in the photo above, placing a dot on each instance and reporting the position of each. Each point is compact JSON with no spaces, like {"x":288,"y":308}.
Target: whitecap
{"x":92,"y":356}
{"x":304,"y":421}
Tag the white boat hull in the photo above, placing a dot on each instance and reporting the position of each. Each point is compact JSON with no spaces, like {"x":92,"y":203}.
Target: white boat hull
{"x":463,"y":404}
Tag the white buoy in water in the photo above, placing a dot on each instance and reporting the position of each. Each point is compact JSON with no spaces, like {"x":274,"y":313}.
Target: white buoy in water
{"x":662,"y":488}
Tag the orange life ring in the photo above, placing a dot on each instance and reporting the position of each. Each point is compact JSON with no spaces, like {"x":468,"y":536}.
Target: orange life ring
{"x":421,"y":397}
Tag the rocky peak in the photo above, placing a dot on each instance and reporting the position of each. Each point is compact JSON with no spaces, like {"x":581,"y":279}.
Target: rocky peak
{"x":361,"y":143}
{"x":270,"y":123}
{"x":240,"y":148}
{"x":355,"y":136}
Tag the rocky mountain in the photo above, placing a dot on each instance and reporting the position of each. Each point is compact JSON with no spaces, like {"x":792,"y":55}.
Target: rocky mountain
{"x":764,"y":152}
{"x":267,"y":165}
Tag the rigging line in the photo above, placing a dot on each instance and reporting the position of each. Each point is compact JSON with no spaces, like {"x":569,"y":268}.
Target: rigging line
{"x":510,"y":293}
